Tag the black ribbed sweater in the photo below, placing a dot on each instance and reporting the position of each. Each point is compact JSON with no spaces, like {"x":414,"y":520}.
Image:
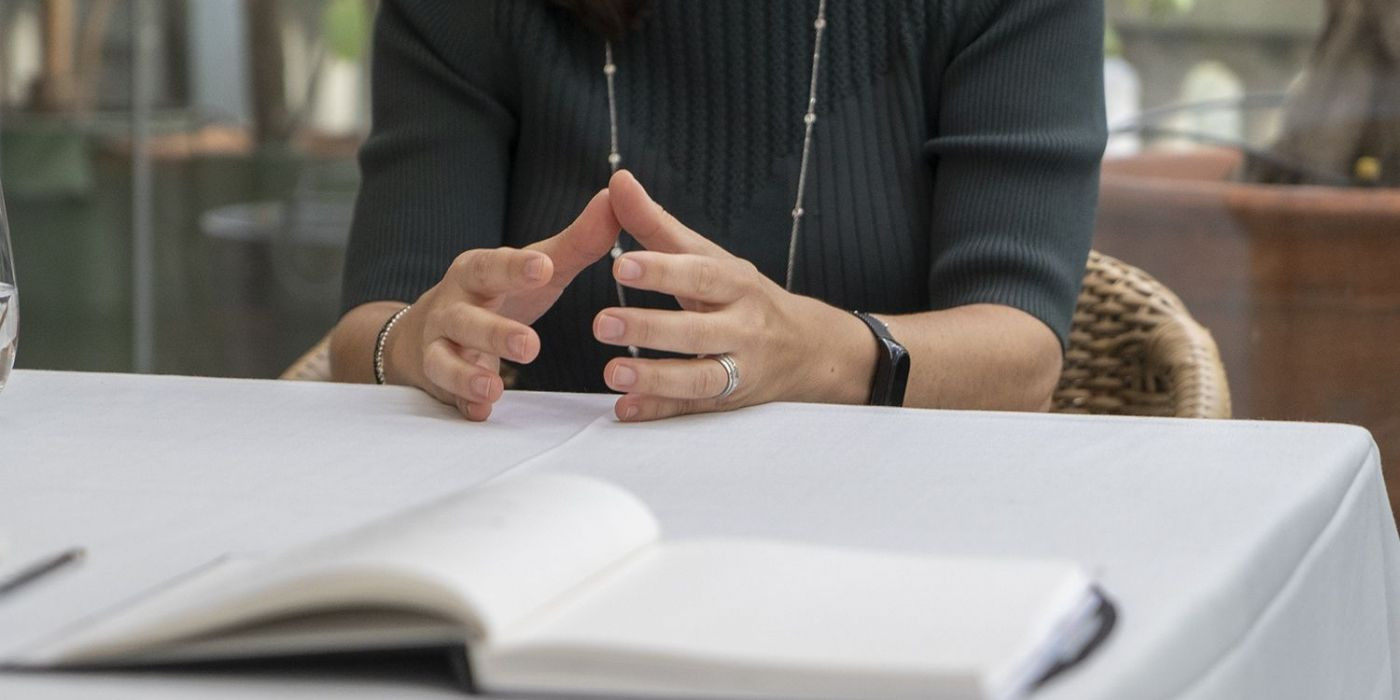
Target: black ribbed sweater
{"x":955,"y":158}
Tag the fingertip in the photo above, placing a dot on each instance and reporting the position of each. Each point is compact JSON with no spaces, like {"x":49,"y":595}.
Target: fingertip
{"x":488,"y":387}
{"x":530,"y":352}
{"x":607,"y":327}
{"x":627,"y":409}
{"x":602,"y":204}
{"x":538,"y":267}
{"x":626,"y":192}
{"x":623,"y":178}
{"x":597,"y":203}
{"x":628,"y":268}
{"x":619,"y":376}
{"x":587,"y":239}
{"x":477,"y":412}
{"x":627,"y":211}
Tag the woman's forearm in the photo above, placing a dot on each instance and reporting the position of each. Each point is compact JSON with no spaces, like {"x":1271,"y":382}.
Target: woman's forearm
{"x":982,"y":356}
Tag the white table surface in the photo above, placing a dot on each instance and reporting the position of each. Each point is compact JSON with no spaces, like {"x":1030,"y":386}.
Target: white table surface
{"x":1249,"y":559}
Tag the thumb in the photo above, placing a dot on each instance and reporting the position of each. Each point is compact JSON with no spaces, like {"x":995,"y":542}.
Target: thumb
{"x":583,"y":242}
{"x":650,"y":223}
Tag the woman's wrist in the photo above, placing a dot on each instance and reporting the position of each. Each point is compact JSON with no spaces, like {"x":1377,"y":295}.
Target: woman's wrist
{"x":353,"y":340}
{"x":381,"y":342}
{"x":402,"y":355}
{"x":842,"y":356}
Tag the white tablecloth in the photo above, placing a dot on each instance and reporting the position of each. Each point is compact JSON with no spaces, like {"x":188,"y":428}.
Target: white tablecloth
{"x":1249,"y":560}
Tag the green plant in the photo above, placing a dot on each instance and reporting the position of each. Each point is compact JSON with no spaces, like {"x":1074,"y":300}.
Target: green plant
{"x":346,"y":24}
{"x":1153,"y":9}
{"x":1160,"y":8}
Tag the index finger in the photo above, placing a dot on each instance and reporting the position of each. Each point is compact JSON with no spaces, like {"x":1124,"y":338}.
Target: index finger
{"x":698,"y":277}
{"x":487,"y":273}
{"x":650,"y":223}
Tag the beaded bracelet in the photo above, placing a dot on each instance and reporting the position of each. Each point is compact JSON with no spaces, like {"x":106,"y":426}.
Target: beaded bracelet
{"x":380,"y":340}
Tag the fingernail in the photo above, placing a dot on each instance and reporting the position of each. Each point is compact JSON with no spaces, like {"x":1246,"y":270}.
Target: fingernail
{"x":630,"y":412}
{"x":624,"y":377}
{"x":516,"y":343}
{"x":628,"y":269}
{"x":610,"y":328}
{"x":534,"y":269}
{"x":481,"y":386}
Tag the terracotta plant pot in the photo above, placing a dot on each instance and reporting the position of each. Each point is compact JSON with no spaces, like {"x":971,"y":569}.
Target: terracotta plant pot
{"x":1300,"y":285}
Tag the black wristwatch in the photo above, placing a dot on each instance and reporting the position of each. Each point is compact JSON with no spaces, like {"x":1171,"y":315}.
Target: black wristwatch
{"x":891,"y":365}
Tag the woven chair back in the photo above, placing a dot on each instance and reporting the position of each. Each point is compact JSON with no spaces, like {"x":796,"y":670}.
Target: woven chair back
{"x":313,"y":366}
{"x":1135,"y":350}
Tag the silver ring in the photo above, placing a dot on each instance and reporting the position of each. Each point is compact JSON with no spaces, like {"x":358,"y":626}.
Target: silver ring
{"x":731,"y":368}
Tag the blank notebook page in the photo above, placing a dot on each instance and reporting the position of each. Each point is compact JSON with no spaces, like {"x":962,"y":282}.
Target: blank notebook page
{"x":738,"y":617}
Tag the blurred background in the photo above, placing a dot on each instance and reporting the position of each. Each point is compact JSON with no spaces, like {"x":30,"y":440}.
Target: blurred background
{"x":218,"y":252}
{"x":1267,"y":201}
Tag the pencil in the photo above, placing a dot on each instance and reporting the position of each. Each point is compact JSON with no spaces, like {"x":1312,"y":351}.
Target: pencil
{"x":40,"y":569}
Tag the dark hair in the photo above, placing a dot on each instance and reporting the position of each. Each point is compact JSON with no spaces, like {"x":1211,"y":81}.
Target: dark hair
{"x":610,"y":18}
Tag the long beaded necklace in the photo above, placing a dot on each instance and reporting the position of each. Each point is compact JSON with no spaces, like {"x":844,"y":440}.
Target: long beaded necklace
{"x":808,"y":120}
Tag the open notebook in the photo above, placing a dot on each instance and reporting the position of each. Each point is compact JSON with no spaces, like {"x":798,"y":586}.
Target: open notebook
{"x":561,"y":584}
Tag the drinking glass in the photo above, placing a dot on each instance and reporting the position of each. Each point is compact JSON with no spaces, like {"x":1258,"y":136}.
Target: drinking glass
{"x":9,"y":299}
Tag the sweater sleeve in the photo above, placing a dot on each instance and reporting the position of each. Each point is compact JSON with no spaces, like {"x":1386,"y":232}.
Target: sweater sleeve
{"x":436,"y":164}
{"x":1017,"y":125}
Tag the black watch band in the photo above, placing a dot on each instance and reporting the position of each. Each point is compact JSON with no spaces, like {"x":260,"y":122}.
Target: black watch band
{"x":891,"y":364}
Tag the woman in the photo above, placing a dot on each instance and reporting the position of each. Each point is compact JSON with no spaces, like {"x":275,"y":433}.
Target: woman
{"x":946,"y":180}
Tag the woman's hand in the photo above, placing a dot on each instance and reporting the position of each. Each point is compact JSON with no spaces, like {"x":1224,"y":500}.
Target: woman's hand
{"x":786,"y":346}
{"x":451,"y":342}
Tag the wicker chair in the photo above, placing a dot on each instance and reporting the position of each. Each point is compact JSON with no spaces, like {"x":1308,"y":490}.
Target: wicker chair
{"x":314,"y":366}
{"x":1133,"y":350}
